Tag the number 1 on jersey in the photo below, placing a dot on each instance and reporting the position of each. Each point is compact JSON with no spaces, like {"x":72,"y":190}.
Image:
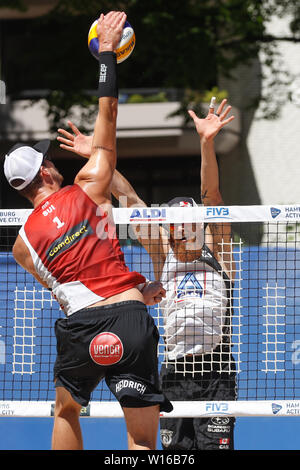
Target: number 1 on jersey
{"x":58,"y":222}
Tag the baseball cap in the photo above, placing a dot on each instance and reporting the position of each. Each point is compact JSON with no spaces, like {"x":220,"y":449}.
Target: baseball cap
{"x":179,"y":202}
{"x":188,"y":202}
{"x":23,"y":162}
{"x":182,"y":202}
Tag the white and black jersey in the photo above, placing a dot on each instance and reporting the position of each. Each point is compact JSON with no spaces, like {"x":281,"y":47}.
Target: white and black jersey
{"x":197,"y":306}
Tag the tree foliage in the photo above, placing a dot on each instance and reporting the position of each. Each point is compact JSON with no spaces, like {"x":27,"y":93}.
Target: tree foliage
{"x":186,"y":45}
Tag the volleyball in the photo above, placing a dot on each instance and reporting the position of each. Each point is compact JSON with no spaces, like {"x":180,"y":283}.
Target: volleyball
{"x":124,"y":48}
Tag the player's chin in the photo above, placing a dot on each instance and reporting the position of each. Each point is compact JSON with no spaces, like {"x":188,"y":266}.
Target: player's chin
{"x":190,"y":245}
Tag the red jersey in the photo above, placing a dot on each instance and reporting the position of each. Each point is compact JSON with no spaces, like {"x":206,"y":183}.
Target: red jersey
{"x":75,"y":250}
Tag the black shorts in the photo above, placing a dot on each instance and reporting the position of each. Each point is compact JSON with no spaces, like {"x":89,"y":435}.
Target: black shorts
{"x":117,"y":342}
{"x":211,"y":433}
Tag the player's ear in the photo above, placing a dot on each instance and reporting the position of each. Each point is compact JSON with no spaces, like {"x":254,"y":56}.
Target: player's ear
{"x":44,"y":170}
{"x":46,"y":174}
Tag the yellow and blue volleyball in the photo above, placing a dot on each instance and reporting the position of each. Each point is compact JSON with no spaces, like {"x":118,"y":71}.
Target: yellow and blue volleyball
{"x":124,"y":48}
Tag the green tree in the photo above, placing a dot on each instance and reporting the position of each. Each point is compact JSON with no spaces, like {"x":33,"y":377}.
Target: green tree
{"x":186,"y":45}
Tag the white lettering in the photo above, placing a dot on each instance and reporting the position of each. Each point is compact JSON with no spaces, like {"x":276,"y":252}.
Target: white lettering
{"x":115,"y":460}
{"x":130,"y":384}
{"x":48,"y":210}
{"x":102,"y":76}
{"x":106,"y":350}
{"x":58,"y":222}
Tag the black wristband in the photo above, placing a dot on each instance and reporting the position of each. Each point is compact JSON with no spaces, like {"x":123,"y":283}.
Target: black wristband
{"x":108,"y":82}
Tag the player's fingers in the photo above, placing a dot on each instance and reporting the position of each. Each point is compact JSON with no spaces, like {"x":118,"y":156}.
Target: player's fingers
{"x":228,"y":120}
{"x":101,"y":18}
{"x":65,"y":133}
{"x":66,"y":141}
{"x":73,"y":127}
{"x":211,"y":109}
{"x":109,"y":15}
{"x":122,"y":20}
{"x":112,"y":16}
{"x":225,"y":113}
{"x":192,"y":114}
{"x":118,"y":20}
{"x":162,"y":292}
{"x":220,"y":108}
{"x":66,"y":147}
{"x":100,"y":21}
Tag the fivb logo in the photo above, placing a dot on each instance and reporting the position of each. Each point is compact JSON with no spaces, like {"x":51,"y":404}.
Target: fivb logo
{"x":2,"y":92}
{"x":216,"y":408}
{"x":217,"y":213}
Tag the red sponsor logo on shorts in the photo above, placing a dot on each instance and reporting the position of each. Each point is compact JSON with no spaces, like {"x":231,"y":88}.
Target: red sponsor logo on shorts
{"x":224,"y":440}
{"x":106,"y":349}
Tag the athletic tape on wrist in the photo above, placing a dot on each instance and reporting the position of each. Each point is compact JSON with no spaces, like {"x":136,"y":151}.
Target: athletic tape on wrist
{"x":108,"y":83}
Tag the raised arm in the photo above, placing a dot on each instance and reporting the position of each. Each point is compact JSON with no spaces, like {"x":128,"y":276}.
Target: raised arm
{"x":218,"y":235}
{"x":82,"y":145}
{"x":207,"y":130}
{"x":124,"y":192}
{"x":96,"y":175}
{"x":151,"y":237}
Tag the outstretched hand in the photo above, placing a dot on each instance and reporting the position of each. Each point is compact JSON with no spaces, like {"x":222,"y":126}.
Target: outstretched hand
{"x":76,"y":142}
{"x":109,"y":30}
{"x":209,"y":127}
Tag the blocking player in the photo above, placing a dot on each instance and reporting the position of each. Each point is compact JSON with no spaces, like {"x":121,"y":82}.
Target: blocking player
{"x":196,"y":266}
{"x":69,"y":245}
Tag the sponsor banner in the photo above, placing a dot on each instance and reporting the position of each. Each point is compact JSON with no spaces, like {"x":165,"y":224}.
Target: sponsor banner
{"x":235,"y":408}
{"x":27,"y":409}
{"x":16,"y":217}
{"x":147,"y":215}
{"x":183,"y":409}
{"x":167,"y":215}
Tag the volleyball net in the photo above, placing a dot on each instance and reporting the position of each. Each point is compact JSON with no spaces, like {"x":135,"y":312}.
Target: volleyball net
{"x":249,"y":329}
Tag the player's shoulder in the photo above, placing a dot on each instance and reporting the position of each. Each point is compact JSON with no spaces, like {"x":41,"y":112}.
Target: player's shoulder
{"x":70,"y":189}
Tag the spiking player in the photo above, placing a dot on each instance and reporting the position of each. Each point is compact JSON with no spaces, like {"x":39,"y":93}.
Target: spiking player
{"x":195,"y":264}
{"x":69,"y":245}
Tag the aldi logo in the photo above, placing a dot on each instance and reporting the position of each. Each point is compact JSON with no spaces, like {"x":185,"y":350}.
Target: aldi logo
{"x":148,"y":215}
{"x":189,"y":287}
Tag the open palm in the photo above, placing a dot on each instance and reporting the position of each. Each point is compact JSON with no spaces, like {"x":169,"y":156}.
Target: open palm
{"x":209,"y":127}
{"x":76,"y":142}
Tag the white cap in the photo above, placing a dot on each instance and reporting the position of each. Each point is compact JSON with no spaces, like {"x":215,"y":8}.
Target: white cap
{"x":23,"y":162}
